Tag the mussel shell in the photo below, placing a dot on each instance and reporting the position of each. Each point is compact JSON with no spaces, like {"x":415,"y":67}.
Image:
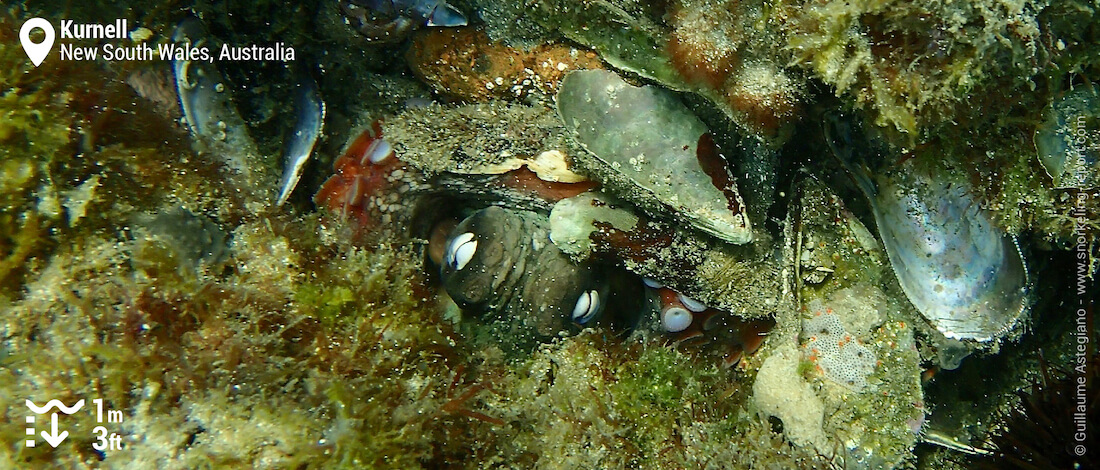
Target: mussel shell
{"x":964,"y":274}
{"x":645,"y":146}
{"x":1068,"y":141}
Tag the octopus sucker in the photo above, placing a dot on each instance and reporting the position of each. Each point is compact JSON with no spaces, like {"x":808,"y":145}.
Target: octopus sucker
{"x":675,"y":319}
{"x":365,"y":180}
{"x":692,"y":325}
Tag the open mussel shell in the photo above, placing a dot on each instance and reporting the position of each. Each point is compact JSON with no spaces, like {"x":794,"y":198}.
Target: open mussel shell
{"x":963,"y":272}
{"x":651,"y":150}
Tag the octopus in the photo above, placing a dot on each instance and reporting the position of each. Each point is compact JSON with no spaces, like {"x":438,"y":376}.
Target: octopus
{"x":487,"y":240}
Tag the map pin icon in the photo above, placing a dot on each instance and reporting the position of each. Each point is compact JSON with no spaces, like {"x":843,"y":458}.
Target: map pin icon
{"x":36,"y":52}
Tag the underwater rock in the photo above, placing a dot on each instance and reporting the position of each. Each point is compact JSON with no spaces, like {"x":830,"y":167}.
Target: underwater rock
{"x":177,"y":243}
{"x":434,"y":173}
{"x":1068,"y":141}
{"x":653,"y":151}
{"x":965,"y":275}
{"x":593,"y":222}
{"x":866,"y":423}
{"x":780,"y":391}
{"x":484,"y":139}
{"x":867,"y":370}
{"x":405,"y":186}
{"x":158,"y":87}
{"x":764,"y":98}
{"x":727,"y":51}
{"x":911,"y":64}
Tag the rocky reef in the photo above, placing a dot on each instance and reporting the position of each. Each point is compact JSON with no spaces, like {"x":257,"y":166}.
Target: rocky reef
{"x":554,"y":234}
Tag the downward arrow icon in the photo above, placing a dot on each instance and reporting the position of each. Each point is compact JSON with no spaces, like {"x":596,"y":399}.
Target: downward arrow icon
{"x":54,"y":438}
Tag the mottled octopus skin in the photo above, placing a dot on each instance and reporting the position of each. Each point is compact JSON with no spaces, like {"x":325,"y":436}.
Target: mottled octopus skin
{"x":350,"y":192}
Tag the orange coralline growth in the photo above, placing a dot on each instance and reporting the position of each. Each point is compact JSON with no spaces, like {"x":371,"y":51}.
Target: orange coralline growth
{"x":766,"y":109}
{"x":703,"y":45}
{"x":364,"y":171}
{"x":464,"y":63}
{"x":708,"y":47}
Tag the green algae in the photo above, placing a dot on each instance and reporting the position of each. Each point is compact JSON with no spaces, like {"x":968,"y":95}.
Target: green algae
{"x":587,"y":401}
{"x":230,"y":362}
{"x":215,"y":364}
{"x":881,"y":55}
{"x":651,"y":392}
{"x":34,"y":131}
{"x":326,"y":304}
